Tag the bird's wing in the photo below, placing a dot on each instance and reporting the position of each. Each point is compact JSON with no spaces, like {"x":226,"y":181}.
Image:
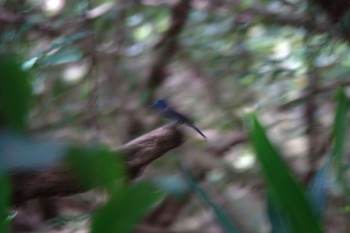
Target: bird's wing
{"x":176,"y":116}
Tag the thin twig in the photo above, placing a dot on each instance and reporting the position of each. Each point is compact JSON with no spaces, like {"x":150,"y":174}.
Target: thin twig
{"x":319,"y":90}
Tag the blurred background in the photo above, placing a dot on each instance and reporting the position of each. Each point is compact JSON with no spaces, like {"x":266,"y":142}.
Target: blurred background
{"x":98,"y":64}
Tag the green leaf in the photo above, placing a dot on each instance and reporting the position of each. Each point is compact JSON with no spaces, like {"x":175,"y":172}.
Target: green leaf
{"x":222,"y":217}
{"x":69,"y":40}
{"x":285,"y":191}
{"x":279,"y":223}
{"x":19,"y":152}
{"x":318,"y":189}
{"x":62,"y":56}
{"x":339,"y":134}
{"x":5,"y":195}
{"x":28,"y":64}
{"x":125,"y":209}
{"x":96,"y":166}
{"x":54,"y":54}
{"x":15,"y":94}
{"x":173,"y":185}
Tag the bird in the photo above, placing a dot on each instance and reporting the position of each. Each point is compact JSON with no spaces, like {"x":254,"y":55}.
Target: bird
{"x":165,"y":110}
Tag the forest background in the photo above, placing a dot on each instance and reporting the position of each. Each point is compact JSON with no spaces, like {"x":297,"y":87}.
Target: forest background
{"x":263,"y":80}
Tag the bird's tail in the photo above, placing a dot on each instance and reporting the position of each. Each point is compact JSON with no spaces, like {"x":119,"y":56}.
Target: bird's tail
{"x":197,"y":130}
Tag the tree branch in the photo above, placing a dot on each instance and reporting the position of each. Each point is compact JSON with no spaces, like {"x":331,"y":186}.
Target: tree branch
{"x":319,"y":90}
{"x":10,"y":18}
{"x":60,"y":180}
{"x":289,"y":18}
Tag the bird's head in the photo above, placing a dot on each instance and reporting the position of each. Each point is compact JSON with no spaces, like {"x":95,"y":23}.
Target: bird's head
{"x":159,"y":104}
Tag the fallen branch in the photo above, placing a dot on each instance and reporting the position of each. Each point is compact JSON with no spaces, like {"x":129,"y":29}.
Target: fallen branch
{"x":60,"y":181}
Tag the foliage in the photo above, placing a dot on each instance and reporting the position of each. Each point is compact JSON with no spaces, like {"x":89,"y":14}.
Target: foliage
{"x":284,"y":189}
{"x":319,"y":187}
{"x":339,"y":135}
{"x":4,"y":202}
{"x":94,"y":166}
{"x":131,"y":203}
{"x":221,"y":215}
{"x":15,"y":94}
{"x":101,"y":167}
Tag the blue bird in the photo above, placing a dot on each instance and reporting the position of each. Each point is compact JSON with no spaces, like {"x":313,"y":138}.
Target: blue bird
{"x":165,"y":110}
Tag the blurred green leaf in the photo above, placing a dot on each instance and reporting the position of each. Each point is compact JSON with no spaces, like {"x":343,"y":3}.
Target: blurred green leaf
{"x":317,"y":196}
{"x":279,"y":223}
{"x":55,"y":54}
{"x":125,"y":208}
{"x":318,"y":189}
{"x":69,"y":40}
{"x":222,"y":217}
{"x":247,"y":4}
{"x":11,"y":216}
{"x":28,"y":64}
{"x":19,"y":152}
{"x":62,"y":56}
{"x":5,"y":195}
{"x":15,"y":94}
{"x":60,"y":221}
{"x":144,"y":96}
{"x":285,"y":191}
{"x":345,"y":21}
{"x":96,"y":166}
{"x":143,"y":32}
{"x":339,"y":134}
{"x":173,"y":185}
